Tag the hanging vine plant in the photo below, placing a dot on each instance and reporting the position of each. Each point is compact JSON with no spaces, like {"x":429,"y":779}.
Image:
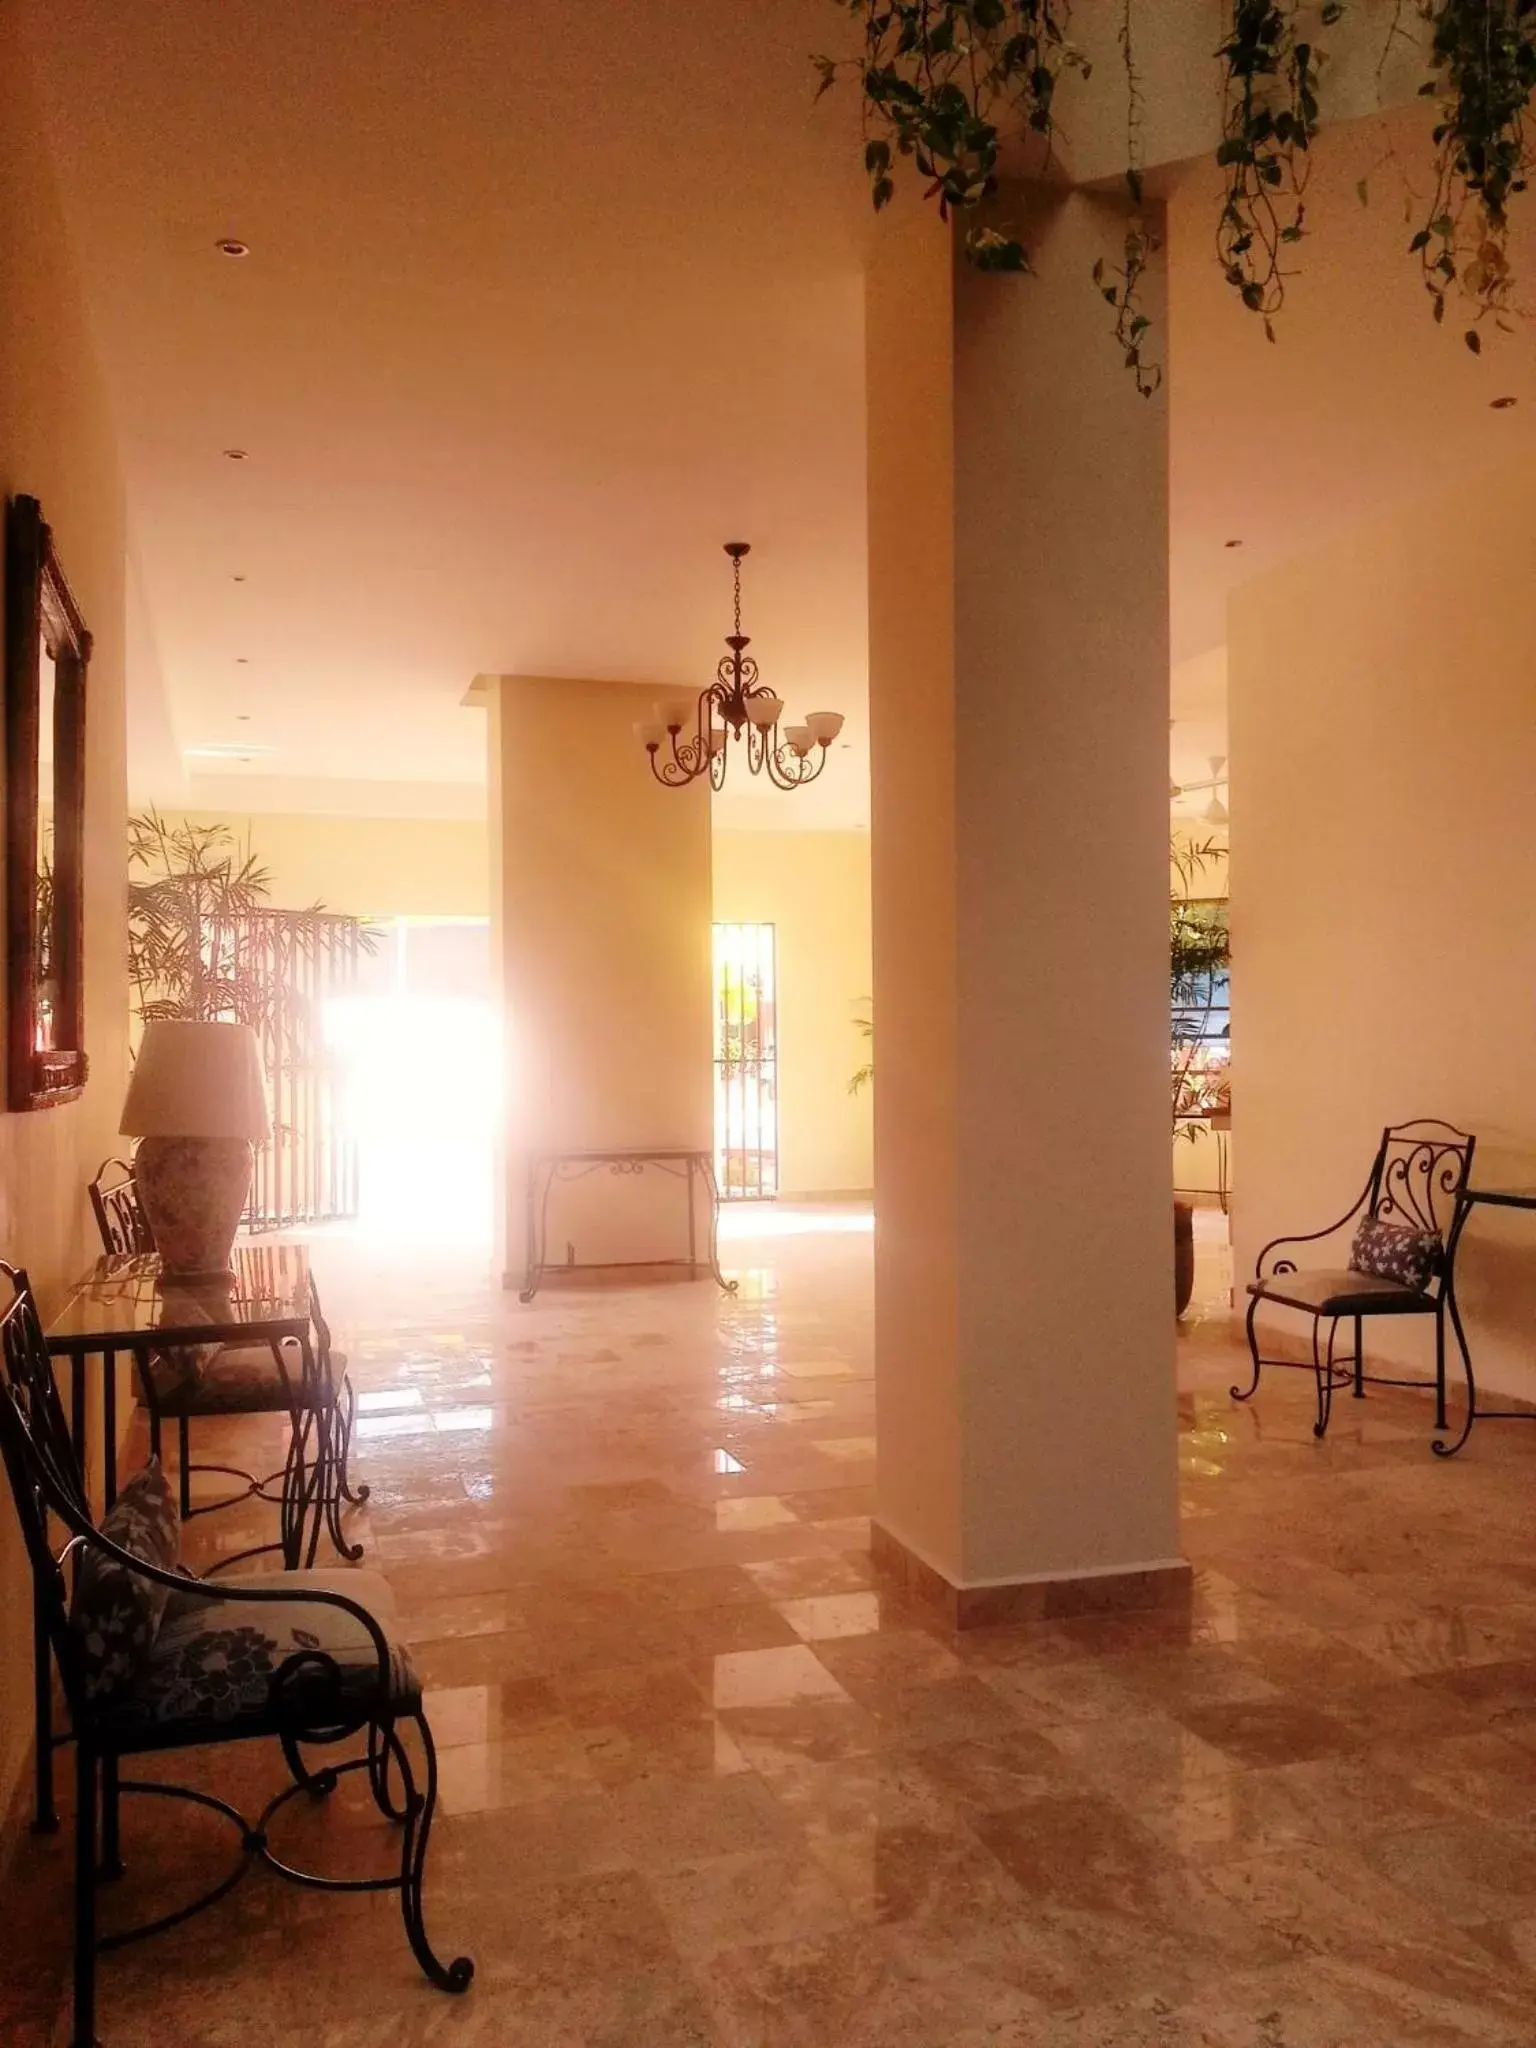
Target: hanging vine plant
{"x":939,"y":79}
{"x":1484,"y":55}
{"x":1121,"y":284}
{"x":1270,"y":116}
{"x":943,"y":82}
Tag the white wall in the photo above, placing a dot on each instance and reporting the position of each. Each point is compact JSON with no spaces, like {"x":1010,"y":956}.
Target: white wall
{"x":1383,"y":708}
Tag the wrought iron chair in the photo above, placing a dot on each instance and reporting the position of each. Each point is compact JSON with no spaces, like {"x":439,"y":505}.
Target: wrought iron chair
{"x":233,"y":1379}
{"x":1415,"y":1185}
{"x":285,"y":1658}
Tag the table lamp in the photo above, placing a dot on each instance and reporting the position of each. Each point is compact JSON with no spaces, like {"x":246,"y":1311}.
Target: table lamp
{"x":196,"y":1103}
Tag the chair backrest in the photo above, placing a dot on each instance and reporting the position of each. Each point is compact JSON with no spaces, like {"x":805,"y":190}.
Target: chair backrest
{"x":41,"y":1465}
{"x":1420,"y":1175}
{"x":118,"y":1211}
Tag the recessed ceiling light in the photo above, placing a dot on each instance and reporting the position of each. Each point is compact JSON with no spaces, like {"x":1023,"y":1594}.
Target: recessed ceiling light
{"x":1232,"y":543}
{"x":230,"y":247}
{"x":234,"y":455}
{"x":1503,"y":404}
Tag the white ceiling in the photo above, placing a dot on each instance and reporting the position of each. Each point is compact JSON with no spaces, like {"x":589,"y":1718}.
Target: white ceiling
{"x":544,"y":303}
{"x":539,"y":312}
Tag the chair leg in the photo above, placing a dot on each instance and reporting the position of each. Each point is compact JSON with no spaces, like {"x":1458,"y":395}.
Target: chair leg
{"x":353,"y":1496}
{"x":1322,"y":1366}
{"x":111,"y":1833}
{"x":1440,"y":1422}
{"x":1247,"y":1393}
{"x":184,"y":1445}
{"x":381,"y":1753}
{"x":1359,"y":1358}
{"x":419,"y":1809}
{"x":84,"y":2033}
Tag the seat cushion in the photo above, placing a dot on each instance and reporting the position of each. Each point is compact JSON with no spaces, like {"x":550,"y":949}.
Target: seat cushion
{"x":1341,"y":1292}
{"x":237,"y":1379}
{"x":116,"y":1614}
{"x":210,"y":1671}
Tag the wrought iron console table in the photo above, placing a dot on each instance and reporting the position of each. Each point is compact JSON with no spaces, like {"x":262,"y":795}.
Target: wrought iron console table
{"x":548,"y":1170}
{"x":1490,"y":1198}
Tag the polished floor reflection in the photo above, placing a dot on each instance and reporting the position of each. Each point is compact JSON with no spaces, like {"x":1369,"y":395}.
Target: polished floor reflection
{"x":706,"y":1782}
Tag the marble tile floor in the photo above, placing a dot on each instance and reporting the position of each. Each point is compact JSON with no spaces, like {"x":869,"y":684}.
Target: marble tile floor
{"x":707,"y":1784}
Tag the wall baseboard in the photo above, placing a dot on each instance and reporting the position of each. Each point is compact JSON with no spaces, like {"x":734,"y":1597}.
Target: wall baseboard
{"x":1114,"y":1592}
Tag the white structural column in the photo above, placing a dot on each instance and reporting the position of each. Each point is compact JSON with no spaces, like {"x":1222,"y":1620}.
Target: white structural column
{"x":600,"y":926}
{"x":1019,"y":703}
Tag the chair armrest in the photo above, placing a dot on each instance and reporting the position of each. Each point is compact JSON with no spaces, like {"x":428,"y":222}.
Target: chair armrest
{"x":1267,"y":1265}
{"x":213,"y":1591}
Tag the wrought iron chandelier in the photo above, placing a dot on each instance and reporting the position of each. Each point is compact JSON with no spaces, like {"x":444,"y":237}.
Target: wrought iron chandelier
{"x":736,"y":706}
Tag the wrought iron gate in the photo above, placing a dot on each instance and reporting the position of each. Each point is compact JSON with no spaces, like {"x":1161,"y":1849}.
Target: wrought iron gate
{"x":746,"y":1063}
{"x":306,"y":1172}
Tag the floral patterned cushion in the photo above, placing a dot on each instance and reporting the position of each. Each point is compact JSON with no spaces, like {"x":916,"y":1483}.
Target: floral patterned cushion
{"x":213,"y":1664}
{"x":116,"y":1613}
{"x":1391,"y":1252}
{"x":236,"y":1379}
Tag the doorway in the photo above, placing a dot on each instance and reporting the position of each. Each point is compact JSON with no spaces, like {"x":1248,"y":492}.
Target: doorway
{"x":416,"y":1047}
{"x":746,"y":1063}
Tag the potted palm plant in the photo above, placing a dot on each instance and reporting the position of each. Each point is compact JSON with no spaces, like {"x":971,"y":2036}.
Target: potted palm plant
{"x":1199,"y":950}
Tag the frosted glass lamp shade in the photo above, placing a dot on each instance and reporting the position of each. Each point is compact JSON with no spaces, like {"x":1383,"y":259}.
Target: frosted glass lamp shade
{"x":825,"y":726}
{"x":799,"y":737}
{"x":764,"y":711}
{"x":195,"y":1080}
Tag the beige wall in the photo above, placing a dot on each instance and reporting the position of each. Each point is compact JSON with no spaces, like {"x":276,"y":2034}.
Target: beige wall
{"x":813,"y":888}
{"x":56,"y":443}
{"x":1383,"y":705}
{"x":368,"y":867}
{"x":600,"y":927}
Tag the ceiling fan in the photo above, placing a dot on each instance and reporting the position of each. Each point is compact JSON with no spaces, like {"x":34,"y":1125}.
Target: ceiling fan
{"x":1215,"y":812}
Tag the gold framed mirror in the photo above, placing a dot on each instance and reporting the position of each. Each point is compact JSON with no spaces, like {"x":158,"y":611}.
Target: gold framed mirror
{"x":47,"y":653}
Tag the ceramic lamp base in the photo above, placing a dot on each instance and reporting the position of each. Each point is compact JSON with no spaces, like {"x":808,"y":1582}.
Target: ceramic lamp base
{"x":194,"y":1192}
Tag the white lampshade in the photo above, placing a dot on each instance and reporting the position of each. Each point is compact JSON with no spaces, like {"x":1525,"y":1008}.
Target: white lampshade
{"x":799,"y":737}
{"x":825,"y":726}
{"x":651,"y":734}
{"x":677,"y":714}
{"x":717,"y":739}
{"x":195,"y":1080}
{"x":764,"y":711}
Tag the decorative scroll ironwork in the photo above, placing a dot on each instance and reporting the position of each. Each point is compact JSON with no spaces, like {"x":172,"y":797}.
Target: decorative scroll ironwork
{"x":307,"y":1700}
{"x":738,"y":707}
{"x":548,"y":1170}
{"x":1418,"y":1181}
